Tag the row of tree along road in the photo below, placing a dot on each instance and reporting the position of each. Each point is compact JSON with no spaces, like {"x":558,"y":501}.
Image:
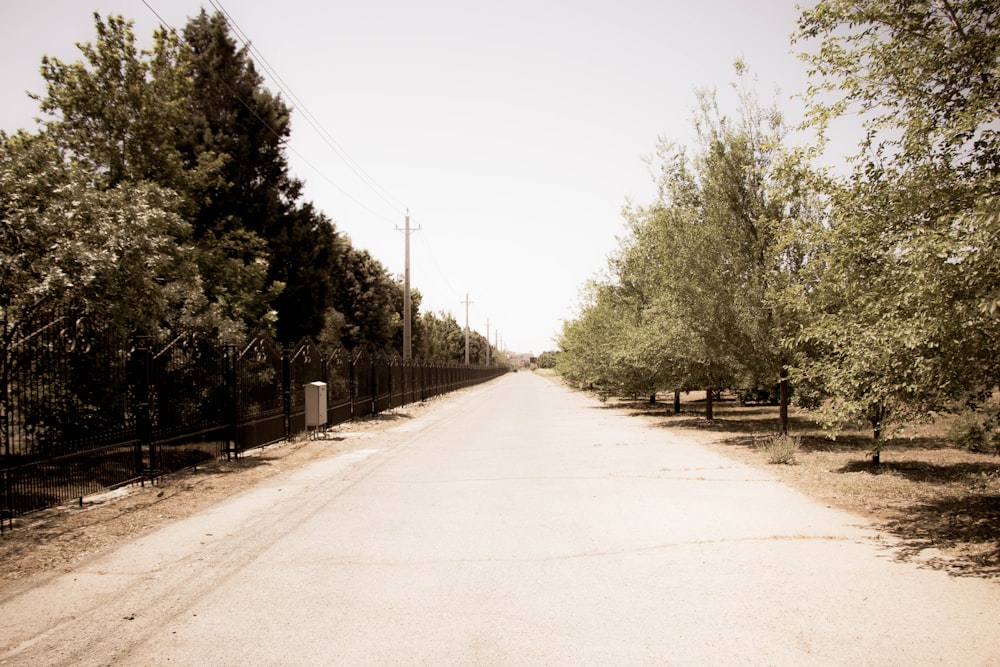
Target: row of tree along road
{"x":153,"y":205}
{"x":873,"y":295}
{"x":155,"y":197}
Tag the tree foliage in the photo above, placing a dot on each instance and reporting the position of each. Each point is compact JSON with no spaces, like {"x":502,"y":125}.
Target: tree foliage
{"x":115,"y":112}
{"x":902,"y":312}
{"x":116,"y":255}
{"x":923,"y":75}
{"x":693,"y":298}
{"x":876,"y":292}
{"x":184,"y":144}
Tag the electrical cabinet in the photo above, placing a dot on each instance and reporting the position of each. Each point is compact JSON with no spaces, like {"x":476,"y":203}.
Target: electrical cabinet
{"x":315,"y":404}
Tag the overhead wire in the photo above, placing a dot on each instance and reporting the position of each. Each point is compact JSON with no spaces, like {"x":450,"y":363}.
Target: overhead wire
{"x":278,"y":135}
{"x":307,"y":114}
{"x":425,"y":242}
{"x":324,"y":134}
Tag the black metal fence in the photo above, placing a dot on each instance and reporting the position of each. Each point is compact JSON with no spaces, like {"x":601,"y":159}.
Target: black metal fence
{"x":82,"y":411}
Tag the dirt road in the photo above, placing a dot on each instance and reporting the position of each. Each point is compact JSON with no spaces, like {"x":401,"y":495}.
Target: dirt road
{"x":515,"y":523}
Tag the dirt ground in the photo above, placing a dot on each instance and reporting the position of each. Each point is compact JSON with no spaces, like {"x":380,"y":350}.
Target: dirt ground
{"x":943,"y":503}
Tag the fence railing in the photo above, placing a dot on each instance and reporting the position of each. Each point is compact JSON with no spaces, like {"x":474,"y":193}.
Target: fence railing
{"x":80,"y":413}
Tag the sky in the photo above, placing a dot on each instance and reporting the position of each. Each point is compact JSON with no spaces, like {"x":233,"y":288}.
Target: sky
{"x":514,"y":133}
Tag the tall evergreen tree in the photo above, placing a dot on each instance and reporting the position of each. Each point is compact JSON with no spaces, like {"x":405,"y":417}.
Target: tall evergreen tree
{"x":234,"y":119}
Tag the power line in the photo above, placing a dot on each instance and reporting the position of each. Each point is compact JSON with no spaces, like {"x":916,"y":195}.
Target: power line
{"x":278,"y":135}
{"x":318,"y":127}
{"x":423,"y":238}
{"x":467,"y":303}
{"x":310,"y":118}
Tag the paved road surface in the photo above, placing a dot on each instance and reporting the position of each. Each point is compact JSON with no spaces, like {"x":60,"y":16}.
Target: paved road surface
{"x":515,"y":523}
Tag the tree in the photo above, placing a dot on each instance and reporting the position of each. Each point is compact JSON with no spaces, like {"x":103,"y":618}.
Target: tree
{"x":112,"y":255}
{"x":115,"y":112}
{"x":240,"y":128}
{"x":105,"y":265}
{"x":122,"y":116}
{"x":233,"y":121}
{"x":548,"y":359}
{"x":192,"y":118}
{"x":586,"y":342}
{"x":922,"y":75}
{"x":308,"y":258}
{"x":709,"y":260}
{"x":444,"y":339}
{"x":416,"y":322}
{"x":903,"y":319}
{"x":366,"y":299}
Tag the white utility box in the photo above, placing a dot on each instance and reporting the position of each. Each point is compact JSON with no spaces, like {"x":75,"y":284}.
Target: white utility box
{"x":315,"y":404}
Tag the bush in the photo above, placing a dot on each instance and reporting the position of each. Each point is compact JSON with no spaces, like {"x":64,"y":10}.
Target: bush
{"x":975,"y":431}
{"x":548,"y":359}
{"x":757,"y":395}
{"x":781,"y":448}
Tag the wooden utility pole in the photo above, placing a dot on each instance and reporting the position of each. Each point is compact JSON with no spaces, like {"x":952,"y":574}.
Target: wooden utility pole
{"x":467,"y":302}
{"x":407,"y":311}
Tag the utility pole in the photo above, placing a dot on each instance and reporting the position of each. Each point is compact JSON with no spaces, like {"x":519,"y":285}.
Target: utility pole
{"x":487,"y":341}
{"x":467,"y":302}
{"x":407,"y":314}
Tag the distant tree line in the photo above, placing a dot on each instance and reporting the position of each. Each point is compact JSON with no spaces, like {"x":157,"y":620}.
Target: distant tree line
{"x":155,"y":197}
{"x":875,"y":294}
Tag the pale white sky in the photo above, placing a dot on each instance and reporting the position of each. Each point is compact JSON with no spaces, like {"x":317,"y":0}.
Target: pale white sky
{"x":514,"y":132}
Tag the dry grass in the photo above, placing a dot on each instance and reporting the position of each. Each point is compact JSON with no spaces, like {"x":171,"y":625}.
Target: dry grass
{"x":942,"y":504}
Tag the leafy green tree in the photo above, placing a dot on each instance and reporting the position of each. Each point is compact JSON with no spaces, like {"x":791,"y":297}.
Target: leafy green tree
{"x":416,"y":322}
{"x":903,"y":306}
{"x":105,"y":264}
{"x":595,"y":349}
{"x":112,"y":254}
{"x":116,"y":111}
{"x":754,"y":200}
{"x":192,"y":117}
{"x":443,"y":340}
{"x":478,"y":346}
{"x":548,"y":359}
{"x":707,"y":263}
{"x":366,"y":297}
{"x":308,"y":257}
{"x":121,"y":114}
{"x":240,"y":128}
{"x":922,"y":76}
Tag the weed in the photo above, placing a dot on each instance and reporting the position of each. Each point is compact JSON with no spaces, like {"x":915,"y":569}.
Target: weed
{"x":781,"y":448}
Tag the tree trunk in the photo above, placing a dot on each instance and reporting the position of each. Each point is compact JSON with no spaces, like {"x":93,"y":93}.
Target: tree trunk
{"x":709,"y":415}
{"x":677,"y":401}
{"x":783,"y":399}
{"x":652,"y":398}
{"x":877,"y":415}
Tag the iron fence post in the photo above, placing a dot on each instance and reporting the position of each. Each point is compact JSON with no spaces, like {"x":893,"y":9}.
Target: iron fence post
{"x":352,"y":385}
{"x":286,"y":388}
{"x":143,"y":413}
{"x":373,"y":386}
{"x":6,"y":481}
{"x":232,"y":440}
